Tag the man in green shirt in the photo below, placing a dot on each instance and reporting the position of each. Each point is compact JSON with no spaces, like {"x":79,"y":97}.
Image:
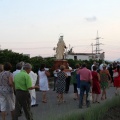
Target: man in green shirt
{"x":23,"y":84}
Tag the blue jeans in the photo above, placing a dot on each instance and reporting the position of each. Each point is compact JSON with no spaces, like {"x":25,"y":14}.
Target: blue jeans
{"x":84,"y":86}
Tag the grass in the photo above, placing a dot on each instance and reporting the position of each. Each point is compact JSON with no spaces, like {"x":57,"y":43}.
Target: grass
{"x":94,"y":113}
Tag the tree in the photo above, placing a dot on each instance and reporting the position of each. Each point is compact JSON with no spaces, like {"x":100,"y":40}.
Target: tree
{"x":36,"y":62}
{"x":12,"y":57}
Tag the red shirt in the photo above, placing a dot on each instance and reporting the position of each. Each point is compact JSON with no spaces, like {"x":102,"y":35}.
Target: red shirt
{"x":85,"y":74}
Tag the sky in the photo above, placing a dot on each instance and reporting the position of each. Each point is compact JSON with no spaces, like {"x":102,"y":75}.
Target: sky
{"x":34,"y":26}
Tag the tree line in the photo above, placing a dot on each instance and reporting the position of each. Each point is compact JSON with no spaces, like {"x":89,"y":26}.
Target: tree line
{"x":13,"y":57}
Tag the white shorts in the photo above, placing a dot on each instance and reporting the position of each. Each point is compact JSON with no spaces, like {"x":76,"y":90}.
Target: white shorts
{"x":7,"y":99}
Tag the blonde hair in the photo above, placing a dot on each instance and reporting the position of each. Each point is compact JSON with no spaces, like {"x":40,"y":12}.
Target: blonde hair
{"x":62,"y":67}
{"x":1,"y":67}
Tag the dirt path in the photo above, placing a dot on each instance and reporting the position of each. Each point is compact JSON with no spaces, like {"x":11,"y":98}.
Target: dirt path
{"x":51,"y":111}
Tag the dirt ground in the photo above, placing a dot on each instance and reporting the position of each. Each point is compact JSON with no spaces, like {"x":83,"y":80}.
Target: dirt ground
{"x":112,"y":114}
{"x":52,"y":111}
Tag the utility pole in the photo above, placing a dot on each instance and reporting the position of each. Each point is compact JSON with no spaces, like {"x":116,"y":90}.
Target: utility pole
{"x":98,"y":44}
{"x":92,"y":50}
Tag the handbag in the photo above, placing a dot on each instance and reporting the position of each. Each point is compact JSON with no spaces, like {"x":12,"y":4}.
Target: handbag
{"x":115,"y":74}
{"x":89,"y":97}
{"x":117,"y":92}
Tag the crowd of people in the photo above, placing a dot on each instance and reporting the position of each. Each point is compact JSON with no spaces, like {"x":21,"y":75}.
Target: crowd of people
{"x":85,"y":81}
{"x":17,"y":89}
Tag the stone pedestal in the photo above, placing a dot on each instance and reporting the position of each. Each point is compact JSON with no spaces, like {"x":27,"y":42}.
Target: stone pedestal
{"x":58,"y":63}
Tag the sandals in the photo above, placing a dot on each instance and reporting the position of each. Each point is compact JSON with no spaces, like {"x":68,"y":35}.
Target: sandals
{"x":97,"y":101}
{"x":102,"y":98}
{"x":75,"y":98}
{"x":44,"y":101}
{"x":59,"y":102}
{"x":63,"y":101}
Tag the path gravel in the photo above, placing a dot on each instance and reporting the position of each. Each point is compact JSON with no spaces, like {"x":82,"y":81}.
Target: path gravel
{"x":51,"y":110}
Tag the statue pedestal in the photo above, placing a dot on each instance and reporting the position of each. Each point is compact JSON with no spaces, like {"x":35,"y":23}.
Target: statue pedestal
{"x":58,"y":63}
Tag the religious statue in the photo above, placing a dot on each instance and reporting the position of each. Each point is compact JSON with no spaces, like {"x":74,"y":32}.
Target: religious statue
{"x":60,"y":49}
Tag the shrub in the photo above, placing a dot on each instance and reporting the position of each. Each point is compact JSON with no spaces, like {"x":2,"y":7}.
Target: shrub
{"x":94,"y":113}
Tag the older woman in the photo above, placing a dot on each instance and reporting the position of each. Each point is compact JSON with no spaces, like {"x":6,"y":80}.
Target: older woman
{"x":117,"y":80}
{"x":6,"y":91}
{"x":1,"y":69}
{"x":43,"y":81}
{"x":95,"y":85}
{"x":104,"y":78}
{"x":61,"y":84}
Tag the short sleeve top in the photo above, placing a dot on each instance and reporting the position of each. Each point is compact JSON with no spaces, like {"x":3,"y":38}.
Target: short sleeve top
{"x":4,"y":82}
{"x":22,"y":81}
{"x":104,"y":75}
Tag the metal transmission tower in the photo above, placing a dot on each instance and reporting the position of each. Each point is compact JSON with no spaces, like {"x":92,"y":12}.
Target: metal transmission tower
{"x":92,"y":50}
{"x":98,"y":44}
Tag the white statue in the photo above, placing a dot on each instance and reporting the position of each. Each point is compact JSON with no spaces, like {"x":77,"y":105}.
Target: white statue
{"x":60,"y":49}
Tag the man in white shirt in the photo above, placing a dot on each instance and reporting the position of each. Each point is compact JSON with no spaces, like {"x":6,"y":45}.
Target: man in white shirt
{"x":101,"y":66}
{"x":94,"y":64}
{"x":18,"y":69}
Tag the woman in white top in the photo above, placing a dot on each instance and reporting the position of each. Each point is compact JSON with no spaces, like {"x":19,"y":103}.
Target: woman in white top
{"x":43,"y":81}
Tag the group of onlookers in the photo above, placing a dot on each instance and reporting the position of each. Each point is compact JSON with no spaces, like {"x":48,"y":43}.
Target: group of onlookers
{"x":85,"y":81}
{"x":6,"y":90}
{"x":17,"y":89}
{"x":96,"y":81}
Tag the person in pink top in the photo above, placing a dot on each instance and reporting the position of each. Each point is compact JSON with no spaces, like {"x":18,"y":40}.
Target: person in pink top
{"x":85,"y":82}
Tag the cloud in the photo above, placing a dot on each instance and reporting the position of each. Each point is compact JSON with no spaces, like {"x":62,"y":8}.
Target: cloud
{"x":91,"y":19}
